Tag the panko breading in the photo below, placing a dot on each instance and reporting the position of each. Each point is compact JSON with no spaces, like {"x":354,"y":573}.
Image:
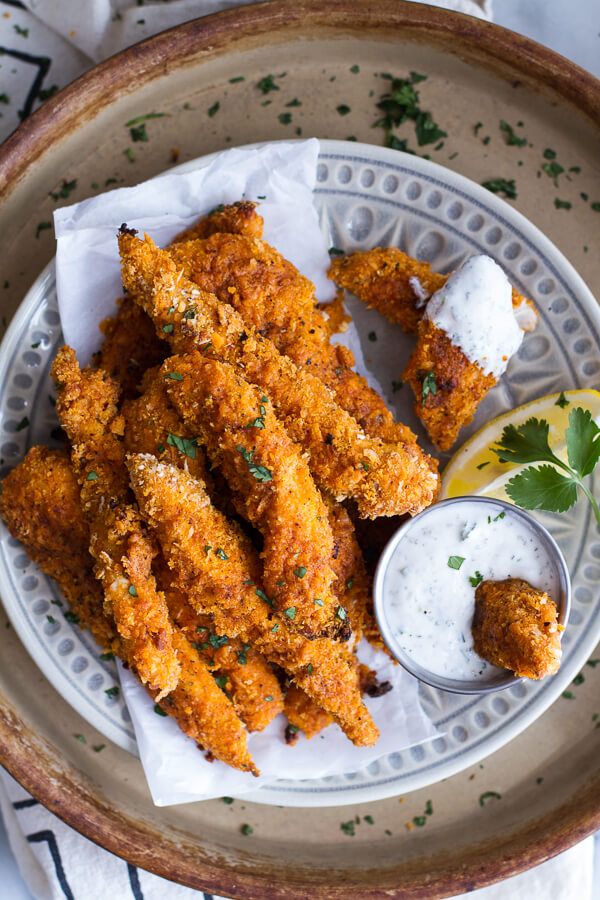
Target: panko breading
{"x":41,"y":507}
{"x":274,"y":298}
{"x":87,"y":410}
{"x":130,"y":346}
{"x":153,"y":426}
{"x":272,"y":487}
{"x":180,"y":512}
{"x":236,"y":218}
{"x":516,"y":627}
{"x":304,"y":715}
{"x":384,"y":478}
{"x":448,"y":387}
{"x":40,"y":504}
{"x":398,"y":286}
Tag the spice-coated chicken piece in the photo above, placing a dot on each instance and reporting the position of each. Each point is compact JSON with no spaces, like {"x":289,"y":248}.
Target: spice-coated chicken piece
{"x":304,"y":715}
{"x":399,"y":286}
{"x":153,"y":426}
{"x":271,"y":295}
{"x":40,"y":503}
{"x":272,"y":486}
{"x":236,"y":218}
{"x":516,"y":627}
{"x":246,"y":676}
{"x":384,"y":478}
{"x":179,"y":510}
{"x":448,"y":387}
{"x":130,"y":346}
{"x":87,"y":410}
{"x":41,"y":507}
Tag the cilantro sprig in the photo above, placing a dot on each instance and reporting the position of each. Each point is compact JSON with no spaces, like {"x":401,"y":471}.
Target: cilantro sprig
{"x":545,"y":486}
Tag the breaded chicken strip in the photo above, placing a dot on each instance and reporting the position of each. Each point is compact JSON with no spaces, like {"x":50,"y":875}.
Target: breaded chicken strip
{"x":447,"y":386}
{"x":516,"y":627}
{"x":272,"y":486}
{"x":385,"y":479}
{"x":398,"y":286}
{"x":41,"y":507}
{"x":153,"y":426}
{"x":87,"y":410}
{"x":40,"y":503}
{"x":236,"y":218}
{"x":304,"y":715}
{"x":130,"y":347}
{"x":179,"y":510}
{"x":271,"y":295}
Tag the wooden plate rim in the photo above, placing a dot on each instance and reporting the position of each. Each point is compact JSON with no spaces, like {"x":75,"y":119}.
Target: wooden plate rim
{"x":70,"y":798}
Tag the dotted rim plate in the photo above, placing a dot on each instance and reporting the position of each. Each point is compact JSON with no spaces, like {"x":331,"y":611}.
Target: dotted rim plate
{"x":367,"y":196}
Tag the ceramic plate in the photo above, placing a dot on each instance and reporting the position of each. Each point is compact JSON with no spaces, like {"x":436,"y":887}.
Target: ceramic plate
{"x":367,"y":196}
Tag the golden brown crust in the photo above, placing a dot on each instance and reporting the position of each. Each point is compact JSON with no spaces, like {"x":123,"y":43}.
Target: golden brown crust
{"x":385,"y":479}
{"x":304,"y":715}
{"x":178,"y":509}
{"x":41,"y":507}
{"x":130,"y":347}
{"x":279,"y":497}
{"x":236,"y":218}
{"x":272,"y":296}
{"x":381,"y":278}
{"x":457,"y":388}
{"x":87,"y":410}
{"x":516,"y":627}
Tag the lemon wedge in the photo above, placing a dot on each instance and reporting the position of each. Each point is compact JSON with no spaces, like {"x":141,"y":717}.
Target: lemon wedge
{"x":474,"y":469}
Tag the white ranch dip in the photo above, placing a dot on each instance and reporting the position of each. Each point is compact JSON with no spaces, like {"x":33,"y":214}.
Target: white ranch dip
{"x":475,"y":309}
{"x":427,"y":598}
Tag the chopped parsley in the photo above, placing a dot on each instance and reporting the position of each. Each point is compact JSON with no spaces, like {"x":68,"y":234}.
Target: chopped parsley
{"x":300,"y":572}
{"x":455,"y":562}
{"x":476,"y":579}
{"x":174,"y":376}
{"x":553,"y":170}
{"x":294,"y":102}
{"x":512,"y":139}
{"x":214,"y":109}
{"x":260,"y":473}
{"x":112,"y":691}
{"x":348,"y":828}
{"x":145,"y":118}
{"x":372,"y":335}
{"x":217,"y":640}
{"x":24,"y":423}
{"x":159,"y":710}
{"x":267,"y":84}
{"x":505,"y":186}
{"x":80,"y":738}
{"x":129,"y":154}
{"x":355,"y":69}
{"x":72,"y":617}
{"x":264,"y":597}
{"x":568,"y":695}
{"x":168,"y":329}
{"x":221,"y":553}
{"x":246,"y":829}
{"x":400,"y":104}
{"x":227,"y":800}
{"x":51,"y":620}
{"x":549,"y":154}
{"x":139,"y":134}
{"x":369,"y":820}
{"x":343,"y":109}
{"x":318,"y":602}
{"x":221,"y":681}
{"x":335,"y":251}
{"x":562,"y":401}
{"x":132,"y":590}
{"x":350,"y":584}
{"x":341,"y":613}
{"x":290,"y":612}
{"x":285,"y":118}
{"x":42,"y":226}
{"x":107,"y":656}
{"x":24,"y":32}
{"x":64,"y":190}
{"x":237,"y":79}
{"x":275,"y":628}
{"x":309,"y":668}
{"x":562,"y":204}
{"x":428,"y":386}
{"x":186,"y":446}
{"x":489,"y":795}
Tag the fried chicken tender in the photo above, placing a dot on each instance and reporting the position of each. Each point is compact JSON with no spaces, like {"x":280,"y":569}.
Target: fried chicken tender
{"x":87,"y":410}
{"x":398,"y":286}
{"x":304,"y":715}
{"x":130,"y":346}
{"x":448,"y":387}
{"x":41,"y":507}
{"x":516,"y":627}
{"x":384,"y":478}
{"x":179,"y":510}
{"x":153,"y":426}
{"x":236,"y":218}
{"x":271,"y":295}
{"x":40,"y":503}
{"x":272,"y":485}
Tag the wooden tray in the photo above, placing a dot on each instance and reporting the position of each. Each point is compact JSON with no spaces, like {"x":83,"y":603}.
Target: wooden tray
{"x":548,"y":778}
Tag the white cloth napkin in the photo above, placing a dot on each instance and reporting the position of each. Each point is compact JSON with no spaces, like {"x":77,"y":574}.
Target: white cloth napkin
{"x":58,"y":42}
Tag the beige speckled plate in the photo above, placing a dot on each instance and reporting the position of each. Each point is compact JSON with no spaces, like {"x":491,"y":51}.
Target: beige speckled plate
{"x":476,"y":72}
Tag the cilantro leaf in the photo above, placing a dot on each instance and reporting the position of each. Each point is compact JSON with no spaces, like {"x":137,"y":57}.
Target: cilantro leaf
{"x":583,"y":441}
{"x":525,"y":444}
{"x":542,"y":488}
